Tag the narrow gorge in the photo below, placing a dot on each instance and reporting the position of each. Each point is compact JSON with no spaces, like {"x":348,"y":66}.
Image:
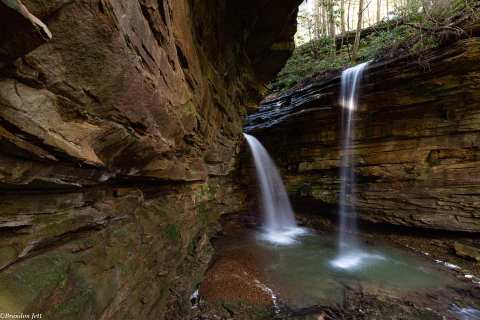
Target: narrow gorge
{"x":124,"y":169}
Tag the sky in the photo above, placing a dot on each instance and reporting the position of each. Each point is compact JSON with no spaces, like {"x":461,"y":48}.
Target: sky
{"x":307,"y":4}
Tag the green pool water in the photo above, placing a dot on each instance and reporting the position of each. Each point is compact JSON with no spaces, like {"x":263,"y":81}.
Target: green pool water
{"x":306,"y":272}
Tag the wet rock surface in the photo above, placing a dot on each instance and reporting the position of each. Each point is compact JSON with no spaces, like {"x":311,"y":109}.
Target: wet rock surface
{"x":467,"y":251}
{"x":116,"y":251}
{"x":118,"y":139}
{"x":416,"y":148}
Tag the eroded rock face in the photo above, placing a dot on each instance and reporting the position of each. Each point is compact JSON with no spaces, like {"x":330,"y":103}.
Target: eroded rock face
{"x":108,"y":253}
{"x":417,"y":140}
{"x":117,"y":139}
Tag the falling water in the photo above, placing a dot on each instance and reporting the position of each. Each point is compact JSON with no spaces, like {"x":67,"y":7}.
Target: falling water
{"x":279,"y":221}
{"x":350,"y":254}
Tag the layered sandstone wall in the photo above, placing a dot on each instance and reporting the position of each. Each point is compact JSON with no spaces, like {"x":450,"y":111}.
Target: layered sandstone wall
{"x":417,"y":145}
{"x":118,"y":138}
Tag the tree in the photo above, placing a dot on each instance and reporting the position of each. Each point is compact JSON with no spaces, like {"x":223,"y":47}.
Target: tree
{"x":317,"y":15}
{"x":325,"y":20}
{"x":330,"y":8}
{"x":348,"y":14}
{"x":379,"y":8}
{"x":306,"y":26}
{"x":342,"y":16}
{"x":359,"y":31}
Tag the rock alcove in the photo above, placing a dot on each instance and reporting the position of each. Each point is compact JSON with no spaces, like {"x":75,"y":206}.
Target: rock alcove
{"x":121,"y":128}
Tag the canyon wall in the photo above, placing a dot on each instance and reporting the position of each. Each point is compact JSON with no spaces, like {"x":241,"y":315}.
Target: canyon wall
{"x":120,"y":122}
{"x":417,"y":145}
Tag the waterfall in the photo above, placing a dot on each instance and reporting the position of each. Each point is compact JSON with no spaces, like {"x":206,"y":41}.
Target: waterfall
{"x":349,"y":254}
{"x":279,"y":223}
{"x":349,"y":101}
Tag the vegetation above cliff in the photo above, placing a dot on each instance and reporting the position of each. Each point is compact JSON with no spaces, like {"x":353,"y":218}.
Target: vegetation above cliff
{"x":410,"y":28}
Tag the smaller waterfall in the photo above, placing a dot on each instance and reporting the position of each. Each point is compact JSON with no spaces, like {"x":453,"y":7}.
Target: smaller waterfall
{"x":349,"y":255}
{"x":349,"y":101}
{"x":279,"y":223}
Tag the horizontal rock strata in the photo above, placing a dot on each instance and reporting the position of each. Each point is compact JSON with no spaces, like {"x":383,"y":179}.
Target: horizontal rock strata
{"x":120,"y":122}
{"x":417,"y":145}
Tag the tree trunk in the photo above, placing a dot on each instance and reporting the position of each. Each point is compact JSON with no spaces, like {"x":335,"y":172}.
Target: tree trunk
{"x":325,"y":20}
{"x":342,"y":16}
{"x":348,"y":14}
{"x":379,"y":10}
{"x":331,"y":19}
{"x":359,"y":31}
{"x":318,"y":19}
{"x":366,"y":23}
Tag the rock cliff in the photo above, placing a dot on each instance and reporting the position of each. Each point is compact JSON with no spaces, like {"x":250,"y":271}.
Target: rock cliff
{"x":417,"y":146}
{"x":119,"y":125}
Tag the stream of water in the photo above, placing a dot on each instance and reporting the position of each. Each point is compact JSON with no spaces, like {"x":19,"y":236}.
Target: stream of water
{"x":350,"y":254}
{"x":315,"y":268}
{"x":279,"y":223}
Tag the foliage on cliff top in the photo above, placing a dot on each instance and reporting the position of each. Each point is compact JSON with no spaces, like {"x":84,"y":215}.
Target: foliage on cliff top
{"x":318,"y":56}
{"x":413,"y":31}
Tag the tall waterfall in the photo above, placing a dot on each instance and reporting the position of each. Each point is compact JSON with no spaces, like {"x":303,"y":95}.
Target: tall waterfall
{"x":349,"y":252}
{"x":279,"y":223}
